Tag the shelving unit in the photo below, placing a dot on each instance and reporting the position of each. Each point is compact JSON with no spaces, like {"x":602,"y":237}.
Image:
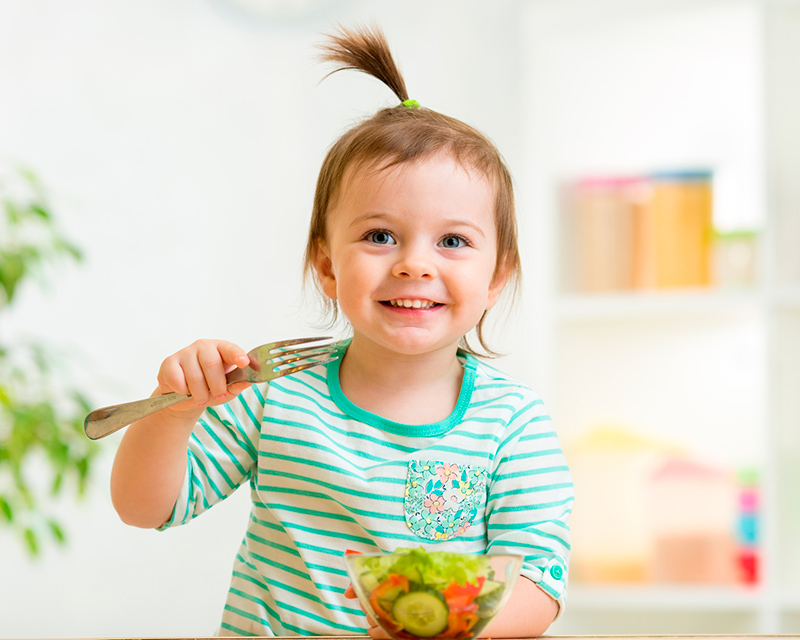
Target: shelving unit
{"x":622,"y":86}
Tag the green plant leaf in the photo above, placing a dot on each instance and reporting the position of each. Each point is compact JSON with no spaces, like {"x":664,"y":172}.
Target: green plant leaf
{"x":58,"y":482}
{"x":31,"y":540}
{"x":57,"y":531}
{"x":40,"y":211}
{"x":12,"y":271}
{"x":6,"y":510}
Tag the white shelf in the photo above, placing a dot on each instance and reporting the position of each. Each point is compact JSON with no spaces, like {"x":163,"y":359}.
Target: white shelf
{"x":786,"y":298}
{"x":619,"y":306}
{"x":789,"y":601}
{"x":666,"y":598}
{"x":607,"y":91}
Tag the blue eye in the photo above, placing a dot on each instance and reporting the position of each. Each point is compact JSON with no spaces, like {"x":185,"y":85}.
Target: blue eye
{"x":453,"y":242}
{"x":380,"y":237}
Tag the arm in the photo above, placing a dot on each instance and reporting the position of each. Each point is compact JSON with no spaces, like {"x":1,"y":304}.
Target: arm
{"x":529,"y":504}
{"x":527,"y":614}
{"x":150,"y":463}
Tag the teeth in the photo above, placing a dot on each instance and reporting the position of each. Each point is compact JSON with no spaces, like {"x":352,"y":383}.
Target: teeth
{"x":412,"y":304}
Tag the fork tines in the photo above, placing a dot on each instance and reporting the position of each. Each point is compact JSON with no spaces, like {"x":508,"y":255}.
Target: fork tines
{"x":312,"y":353}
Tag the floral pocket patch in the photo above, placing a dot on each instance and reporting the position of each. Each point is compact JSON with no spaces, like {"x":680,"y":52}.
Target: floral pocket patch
{"x":442,"y":498}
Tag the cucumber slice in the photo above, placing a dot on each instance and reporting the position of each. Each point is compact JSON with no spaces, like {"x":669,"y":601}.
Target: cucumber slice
{"x":422,"y":613}
{"x":489,"y":597}
{"x":489,"y":586}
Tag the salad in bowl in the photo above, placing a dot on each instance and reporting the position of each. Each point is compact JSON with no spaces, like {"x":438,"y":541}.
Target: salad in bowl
{"x":414,"y":593}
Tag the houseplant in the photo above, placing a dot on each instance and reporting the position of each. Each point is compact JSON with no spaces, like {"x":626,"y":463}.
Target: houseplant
{"x":43,"y":452}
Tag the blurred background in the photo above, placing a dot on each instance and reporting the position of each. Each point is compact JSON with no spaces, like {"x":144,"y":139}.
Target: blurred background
{"x":157,"y":168}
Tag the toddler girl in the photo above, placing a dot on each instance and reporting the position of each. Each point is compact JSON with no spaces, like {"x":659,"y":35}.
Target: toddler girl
{"x":407,"y":439}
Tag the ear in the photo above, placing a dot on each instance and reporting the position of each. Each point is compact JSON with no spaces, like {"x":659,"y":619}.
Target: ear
{"x":496,"y":286}
{"x":323,"y":266}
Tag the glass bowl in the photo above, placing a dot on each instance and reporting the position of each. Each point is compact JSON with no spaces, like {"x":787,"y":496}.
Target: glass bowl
{"x":413,"y":593}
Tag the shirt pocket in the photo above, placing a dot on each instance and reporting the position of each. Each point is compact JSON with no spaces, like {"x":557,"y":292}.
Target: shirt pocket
{"x":442,"y":498}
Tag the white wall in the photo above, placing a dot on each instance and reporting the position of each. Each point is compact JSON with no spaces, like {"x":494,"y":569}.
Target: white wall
{"x":181,"y":141}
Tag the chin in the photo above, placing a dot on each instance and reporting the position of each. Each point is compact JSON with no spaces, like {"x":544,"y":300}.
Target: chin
{"x":418,"y":346}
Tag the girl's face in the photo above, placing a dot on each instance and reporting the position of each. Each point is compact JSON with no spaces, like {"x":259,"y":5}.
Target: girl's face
{"x":410,"y":254}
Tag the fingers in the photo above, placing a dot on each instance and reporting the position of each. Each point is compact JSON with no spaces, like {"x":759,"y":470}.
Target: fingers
{"x":374,"y":630}
{"x":199,"y":370}
{"x":376,"y":633}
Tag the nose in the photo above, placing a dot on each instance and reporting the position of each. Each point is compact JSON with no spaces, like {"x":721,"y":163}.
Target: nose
{"x":414,"y":262}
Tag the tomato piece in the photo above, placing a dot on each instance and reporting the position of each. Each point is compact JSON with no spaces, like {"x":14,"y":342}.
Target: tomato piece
{"x":462,"y":616}
{"x":349,"y":552}
{"x":394,"y":581}
{"x":459,"y":596}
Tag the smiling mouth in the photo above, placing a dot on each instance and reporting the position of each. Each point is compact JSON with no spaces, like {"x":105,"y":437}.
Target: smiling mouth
{"x":404,"y":303}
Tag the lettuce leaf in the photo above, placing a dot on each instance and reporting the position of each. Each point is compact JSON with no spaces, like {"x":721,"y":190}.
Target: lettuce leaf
{"x":435,"y":569}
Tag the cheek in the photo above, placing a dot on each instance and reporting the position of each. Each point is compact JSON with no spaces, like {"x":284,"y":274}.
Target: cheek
{"x":352,"y":282}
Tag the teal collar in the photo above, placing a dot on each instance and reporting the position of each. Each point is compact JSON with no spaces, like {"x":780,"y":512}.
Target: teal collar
{"x":397,"y":428}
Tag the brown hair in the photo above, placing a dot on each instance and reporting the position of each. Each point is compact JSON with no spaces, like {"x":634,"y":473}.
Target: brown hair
{"x":401,"y":134}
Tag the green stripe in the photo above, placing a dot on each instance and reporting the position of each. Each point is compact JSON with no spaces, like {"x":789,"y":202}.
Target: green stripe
{"x":307,"y":614}
{"x":530,"y":472}
{"x":527,"y":490}
{"x":523,"y":529}
{"x":220,"y":494}
{"x":503,"y":384}
{"x":539,"y":435}
{"x":239,"y":632}
{"x":196,"y":484}
{"x":537,"y":506}
{"x":332,"y":468}
{"x":245,"y":614}
{"x":228,"y":454}
{"x":321,"y":407}
{"x":495,"y":401}
{"x":472,"y":453}
{"x":528,"y":558}
{"x":255,"y":421}
{"x":532,"y":454}
{"x":548,"y":589}
{"x":332,"y":516}
{"x":284,"y":625}
{"x":329,"y":534}
{"x":535,"y":403}
{"x":512,"y":436}
{"x":273,"y":545}
{"x":260,"y":397}
{"x":243,"y":438}
{"x":328,"y":485}
{"x":549,"y":552}
{"x":323,"y":514}
{"x":478,"y":436}
{"x":311,"y":445}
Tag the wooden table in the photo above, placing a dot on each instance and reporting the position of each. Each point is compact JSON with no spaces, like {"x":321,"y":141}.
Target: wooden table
{"x":544,"y":637}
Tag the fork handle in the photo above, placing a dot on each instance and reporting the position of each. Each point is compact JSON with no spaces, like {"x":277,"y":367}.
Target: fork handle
{"x":105,"y":421}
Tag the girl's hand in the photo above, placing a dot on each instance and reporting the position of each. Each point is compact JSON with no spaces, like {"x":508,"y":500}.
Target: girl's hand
{"x":199,"y":370}
{"x":374,"y":630}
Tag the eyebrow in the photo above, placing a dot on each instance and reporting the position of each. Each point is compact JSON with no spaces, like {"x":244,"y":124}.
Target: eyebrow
{"x":451,"y":222}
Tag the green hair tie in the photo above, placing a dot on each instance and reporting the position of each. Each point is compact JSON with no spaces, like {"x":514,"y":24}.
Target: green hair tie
{"x":411,"y":104}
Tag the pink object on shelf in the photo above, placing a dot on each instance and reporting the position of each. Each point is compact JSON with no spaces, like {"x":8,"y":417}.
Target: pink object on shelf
{"x":694,"y":509}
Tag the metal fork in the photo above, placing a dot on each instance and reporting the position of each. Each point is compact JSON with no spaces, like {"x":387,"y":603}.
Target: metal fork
{"x":267,"y":362}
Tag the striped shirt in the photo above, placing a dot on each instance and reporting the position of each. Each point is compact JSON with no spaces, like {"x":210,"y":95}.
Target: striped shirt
{"x":326,"y":476}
